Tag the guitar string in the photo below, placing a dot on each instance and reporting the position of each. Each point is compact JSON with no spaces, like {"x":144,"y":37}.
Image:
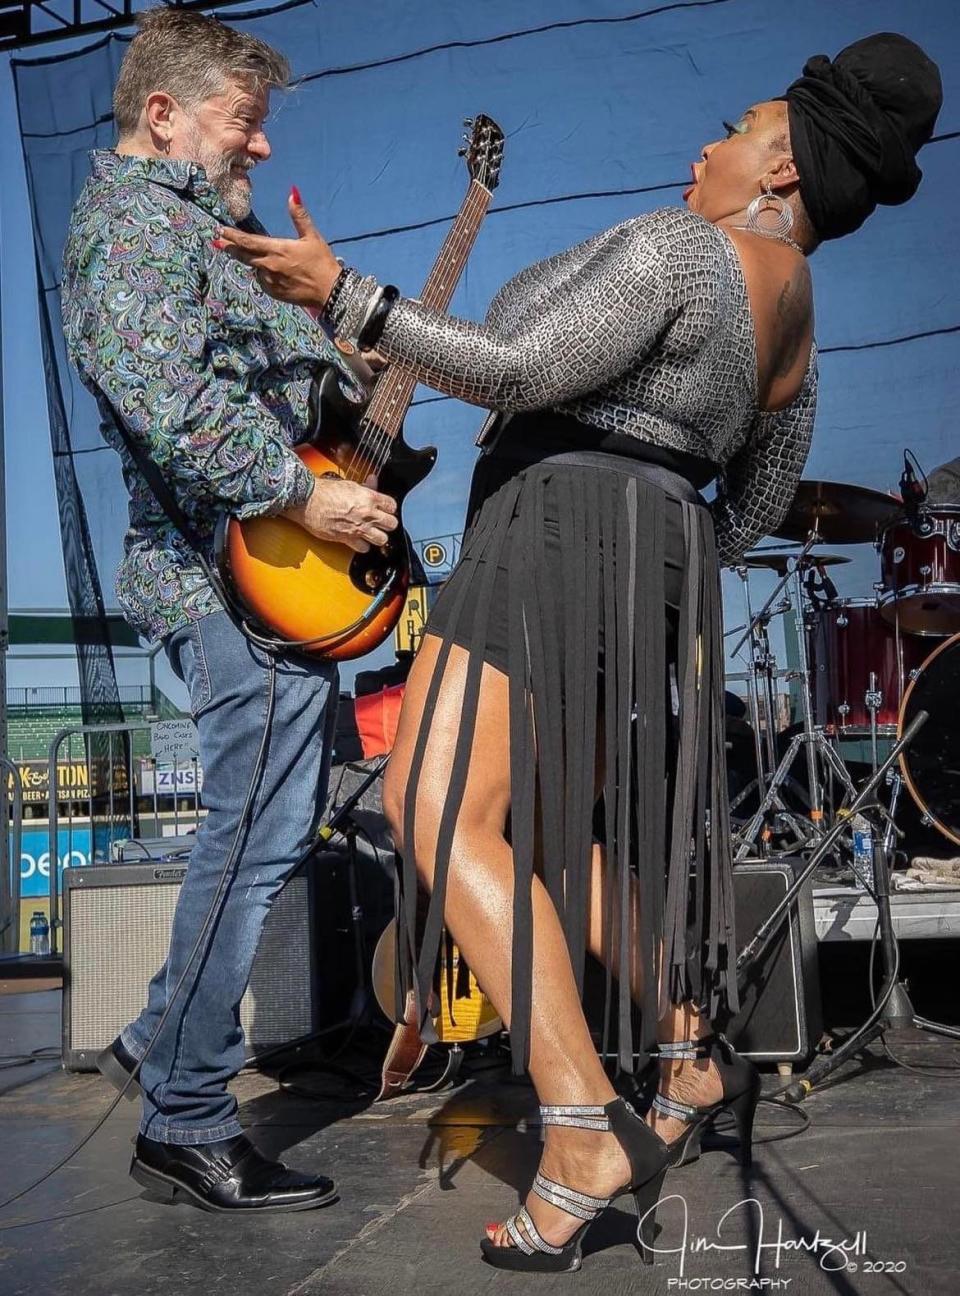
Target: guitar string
{"x":372,"y":452}
{"x":369,"y":448}
{"x":449,"y":268}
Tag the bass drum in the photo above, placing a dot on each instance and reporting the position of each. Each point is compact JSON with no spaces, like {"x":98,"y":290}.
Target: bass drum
{"x":931,"y":766}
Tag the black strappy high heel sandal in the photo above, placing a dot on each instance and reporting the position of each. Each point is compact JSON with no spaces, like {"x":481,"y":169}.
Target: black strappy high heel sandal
{"x":648,"y":1157}
{"x":741,"y":1093}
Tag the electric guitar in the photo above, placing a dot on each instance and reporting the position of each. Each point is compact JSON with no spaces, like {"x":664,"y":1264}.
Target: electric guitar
{"x":319,"y":595}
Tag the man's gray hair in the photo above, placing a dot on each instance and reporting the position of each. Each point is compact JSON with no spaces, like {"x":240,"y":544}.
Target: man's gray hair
{"x":189,"y":56}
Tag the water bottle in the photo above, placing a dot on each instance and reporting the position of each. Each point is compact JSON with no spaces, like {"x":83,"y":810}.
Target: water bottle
{"x":39,"y":933}
{"x":862,"y":853}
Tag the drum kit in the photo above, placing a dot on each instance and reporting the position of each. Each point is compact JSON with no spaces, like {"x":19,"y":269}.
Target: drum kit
{"x":861,"y":668}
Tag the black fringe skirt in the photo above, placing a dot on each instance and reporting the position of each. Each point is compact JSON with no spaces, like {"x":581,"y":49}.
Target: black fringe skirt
{"x":591,"y":579}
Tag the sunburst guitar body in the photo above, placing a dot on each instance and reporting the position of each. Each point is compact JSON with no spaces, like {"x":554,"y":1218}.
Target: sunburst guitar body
{"x":317,"y":593}
{"x":319,"y":596}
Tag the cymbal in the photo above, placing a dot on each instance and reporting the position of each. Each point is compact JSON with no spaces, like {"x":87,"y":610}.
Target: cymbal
{"x":778,"y":562}
{"x":843,"y":514}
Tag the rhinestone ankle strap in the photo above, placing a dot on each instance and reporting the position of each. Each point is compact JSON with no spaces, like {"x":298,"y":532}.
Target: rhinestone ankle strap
{"x":577,"y":1117}
{"x":679,"y":1111}
{"x":687,"y":1050}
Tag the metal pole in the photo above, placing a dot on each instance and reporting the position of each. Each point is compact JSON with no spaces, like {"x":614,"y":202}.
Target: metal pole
{"x":753,"y":692}
{"x":10,"y":881}
{"x":152,"y":668}
{"x":816,"y":803}
{"x":6,"y":944}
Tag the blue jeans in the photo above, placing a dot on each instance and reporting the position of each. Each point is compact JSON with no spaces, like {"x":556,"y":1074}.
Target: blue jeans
{"x":200,"y":1046}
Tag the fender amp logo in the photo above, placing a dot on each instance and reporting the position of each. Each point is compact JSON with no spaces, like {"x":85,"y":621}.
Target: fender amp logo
{"x":171,"y":874}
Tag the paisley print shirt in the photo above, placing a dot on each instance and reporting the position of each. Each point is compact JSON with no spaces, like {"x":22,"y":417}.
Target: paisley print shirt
{"x":211,"y":376}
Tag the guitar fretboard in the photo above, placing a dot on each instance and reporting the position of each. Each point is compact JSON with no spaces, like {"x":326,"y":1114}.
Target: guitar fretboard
{"x":394,"y":389}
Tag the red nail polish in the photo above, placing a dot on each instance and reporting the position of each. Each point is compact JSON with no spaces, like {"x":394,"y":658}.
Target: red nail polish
{"x":295,"y":195}
{"x":219,"y":244}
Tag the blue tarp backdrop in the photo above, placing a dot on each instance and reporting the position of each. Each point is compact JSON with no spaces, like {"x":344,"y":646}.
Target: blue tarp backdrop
{"x":604,"y":107}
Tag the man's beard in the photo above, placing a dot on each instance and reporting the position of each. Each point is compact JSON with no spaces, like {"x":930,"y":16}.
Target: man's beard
{"x":222,"y":171}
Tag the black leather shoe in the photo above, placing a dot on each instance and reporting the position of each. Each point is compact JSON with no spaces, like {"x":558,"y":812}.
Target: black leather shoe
{"x":229,"y":1175}
{"x":116,"y":1064}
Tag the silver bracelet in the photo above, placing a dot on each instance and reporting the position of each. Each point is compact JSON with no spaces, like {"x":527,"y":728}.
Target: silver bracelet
{"x":357,"y":299}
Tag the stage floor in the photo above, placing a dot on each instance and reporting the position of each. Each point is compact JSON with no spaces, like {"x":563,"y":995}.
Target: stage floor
{"x":421,"y":1174}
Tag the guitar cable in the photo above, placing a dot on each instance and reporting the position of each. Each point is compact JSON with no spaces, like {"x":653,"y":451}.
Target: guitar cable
{"x":209,"y":924}
{"x":272,"y":647}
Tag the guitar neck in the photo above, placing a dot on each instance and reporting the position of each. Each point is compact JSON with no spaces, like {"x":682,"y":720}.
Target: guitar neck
{"x":394,"y":389}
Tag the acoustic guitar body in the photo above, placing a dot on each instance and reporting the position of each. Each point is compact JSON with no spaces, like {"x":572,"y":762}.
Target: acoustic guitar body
{"x":471,"y":1017}
{"x":304,"y":589}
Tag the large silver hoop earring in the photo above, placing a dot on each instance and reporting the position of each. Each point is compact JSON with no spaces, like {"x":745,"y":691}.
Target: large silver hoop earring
{"x":770,"y":214}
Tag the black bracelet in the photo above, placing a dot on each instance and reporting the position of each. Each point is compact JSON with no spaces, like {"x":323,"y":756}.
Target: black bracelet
{"x":335,"y":291}
{"x":370,"y":334}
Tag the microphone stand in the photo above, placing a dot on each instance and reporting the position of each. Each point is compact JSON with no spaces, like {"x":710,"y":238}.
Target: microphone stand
{"x":894,"y":1007}
{"x":342,"y":821}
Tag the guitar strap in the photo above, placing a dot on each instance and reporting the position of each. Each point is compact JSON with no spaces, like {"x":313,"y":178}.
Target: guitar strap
{"x":168,"y":503}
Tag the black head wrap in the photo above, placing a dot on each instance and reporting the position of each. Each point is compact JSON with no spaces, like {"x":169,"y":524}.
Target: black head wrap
{"x":856,"y":125}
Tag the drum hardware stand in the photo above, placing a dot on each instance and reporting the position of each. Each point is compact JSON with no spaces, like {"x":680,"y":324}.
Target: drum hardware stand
{"x":873,"y":699}
{"x":895,"y":1007}
{"x":761,"y":937}
{"x":812,"y":738}
{"x":772,"y":799}
{"x":762,"y":664}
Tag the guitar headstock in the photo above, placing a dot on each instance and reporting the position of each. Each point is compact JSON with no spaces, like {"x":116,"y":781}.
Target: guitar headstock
{"x":483,"y":149}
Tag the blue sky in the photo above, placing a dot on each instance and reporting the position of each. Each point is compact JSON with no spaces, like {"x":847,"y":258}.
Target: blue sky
{"x":601,"y":102}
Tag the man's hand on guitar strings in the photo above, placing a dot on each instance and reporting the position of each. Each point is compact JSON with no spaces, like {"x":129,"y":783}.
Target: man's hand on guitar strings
{"x":347,"y":513}
{"x":300,"y":270}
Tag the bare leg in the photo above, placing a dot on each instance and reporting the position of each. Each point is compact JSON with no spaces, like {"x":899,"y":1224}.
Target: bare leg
{"x":564,"y":1064}
{"x":694,"y":1082}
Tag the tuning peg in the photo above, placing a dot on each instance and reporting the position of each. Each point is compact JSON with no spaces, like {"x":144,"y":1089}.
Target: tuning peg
{"x":468,"y":121}
{"x":462,"y":152}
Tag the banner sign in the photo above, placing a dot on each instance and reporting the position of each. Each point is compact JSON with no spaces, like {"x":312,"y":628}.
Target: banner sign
{"x":167,"y":780}
{"x":73,"y":851}
{"x":73,"y":781}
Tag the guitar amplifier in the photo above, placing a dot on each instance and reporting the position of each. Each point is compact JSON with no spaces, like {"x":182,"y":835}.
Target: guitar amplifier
{"x":780,"y":1018}
{"x":117,"y":920}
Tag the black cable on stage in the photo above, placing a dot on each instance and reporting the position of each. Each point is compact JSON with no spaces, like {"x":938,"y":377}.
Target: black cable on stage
{"x":946,"y":1073}
{"x":10,"y":1061}
{"x":213,"y":914}
{"x":893,"y":980}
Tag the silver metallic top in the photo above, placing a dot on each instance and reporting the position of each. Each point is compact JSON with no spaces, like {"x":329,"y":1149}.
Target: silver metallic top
{"x":645,"y":330}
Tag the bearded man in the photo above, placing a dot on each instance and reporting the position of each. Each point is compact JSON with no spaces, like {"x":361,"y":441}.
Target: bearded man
{"x":211,"y":379}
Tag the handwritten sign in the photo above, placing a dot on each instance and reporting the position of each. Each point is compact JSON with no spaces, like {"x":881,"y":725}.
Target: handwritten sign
{"x":172,"y":741}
